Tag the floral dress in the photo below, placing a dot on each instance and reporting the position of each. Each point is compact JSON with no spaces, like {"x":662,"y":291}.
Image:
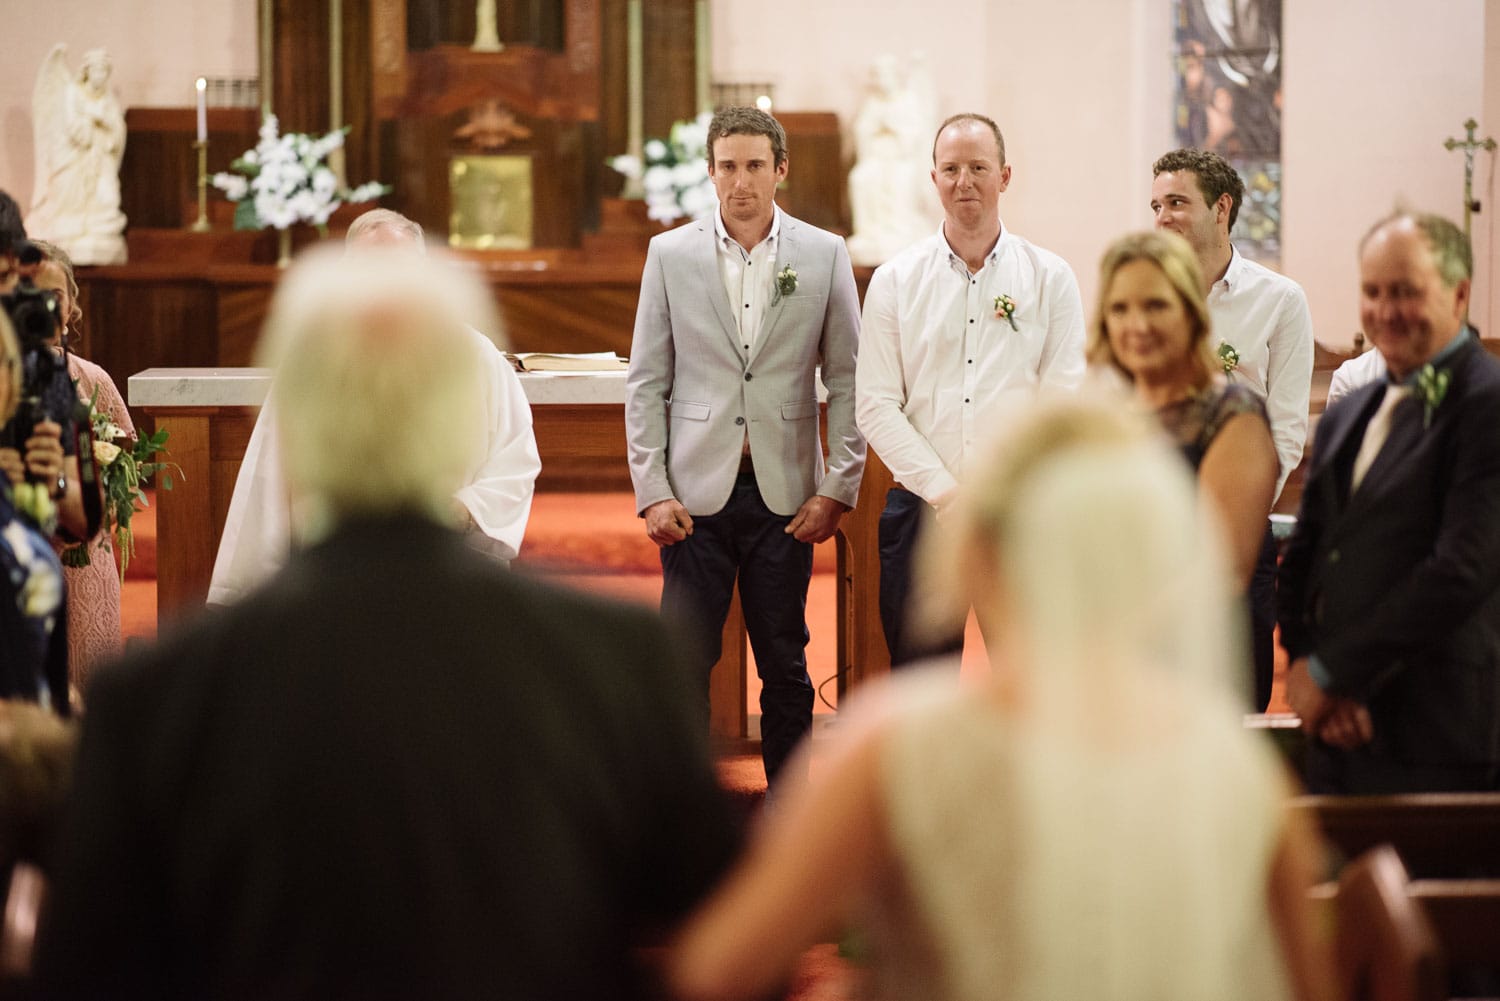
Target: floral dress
{"x":33,"y":625}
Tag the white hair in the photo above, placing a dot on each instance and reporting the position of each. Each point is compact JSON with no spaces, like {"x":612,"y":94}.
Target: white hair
{"x":379,"y":408}
{"x":383,"y":221}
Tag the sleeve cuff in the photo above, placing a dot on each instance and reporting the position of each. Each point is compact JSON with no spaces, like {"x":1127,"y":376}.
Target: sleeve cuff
{"x":1318,"y":672}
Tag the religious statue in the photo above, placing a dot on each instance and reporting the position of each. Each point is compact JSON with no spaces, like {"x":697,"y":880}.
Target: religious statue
{"x":890,"y":194}
{"x":80,"y":139}
{"x":486,"y":37}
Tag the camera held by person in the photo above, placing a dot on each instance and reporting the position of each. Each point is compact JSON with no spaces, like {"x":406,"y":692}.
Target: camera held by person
{"x":50,"y":426}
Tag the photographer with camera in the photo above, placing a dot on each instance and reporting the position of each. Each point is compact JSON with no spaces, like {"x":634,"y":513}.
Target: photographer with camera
{"x":33,"y":620}
{"x":53,"y":479}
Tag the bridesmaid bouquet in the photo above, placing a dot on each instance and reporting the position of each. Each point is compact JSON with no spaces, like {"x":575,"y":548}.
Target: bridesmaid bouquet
{"x":124,"y":464}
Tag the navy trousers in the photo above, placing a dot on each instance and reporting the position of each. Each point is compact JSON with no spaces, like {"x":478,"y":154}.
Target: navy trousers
{"x":747,"y":541}
{"x":900,"y":526}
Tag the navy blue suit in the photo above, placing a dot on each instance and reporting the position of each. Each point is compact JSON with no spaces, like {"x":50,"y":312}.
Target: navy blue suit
{"x":1396,"y":586}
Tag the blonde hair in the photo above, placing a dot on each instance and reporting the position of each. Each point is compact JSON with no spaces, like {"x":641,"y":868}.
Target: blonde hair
{"x":380,"y":406}
{"x":1083,"y":526}
{"x":1174,"y":257}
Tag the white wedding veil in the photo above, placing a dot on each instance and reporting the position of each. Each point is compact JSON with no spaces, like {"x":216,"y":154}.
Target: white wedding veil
{"x":1132,"y":821}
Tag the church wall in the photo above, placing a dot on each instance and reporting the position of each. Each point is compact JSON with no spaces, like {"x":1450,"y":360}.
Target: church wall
{"x":158,"y":50}
{"x":1486,"y":307}
{"x":1372,"y":90}
{"x":1081,"y":88}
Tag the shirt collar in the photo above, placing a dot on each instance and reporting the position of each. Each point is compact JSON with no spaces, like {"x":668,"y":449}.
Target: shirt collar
{"x":1232,"y":273}
{"x":726,"y":241}
{"x":1443,"y":357}
{"x":958,"y":264}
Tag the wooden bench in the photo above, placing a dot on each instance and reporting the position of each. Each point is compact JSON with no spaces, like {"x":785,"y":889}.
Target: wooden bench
{"x":1386,"y":948}
{"x":1436,"y":834}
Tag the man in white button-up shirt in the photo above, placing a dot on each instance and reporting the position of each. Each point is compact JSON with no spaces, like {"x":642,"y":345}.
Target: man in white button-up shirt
{"x":1263,"y":317}
{"x":956,"y":328}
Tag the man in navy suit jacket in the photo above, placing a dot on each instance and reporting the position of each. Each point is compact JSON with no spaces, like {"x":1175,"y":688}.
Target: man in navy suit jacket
{"x":1389,"y":591}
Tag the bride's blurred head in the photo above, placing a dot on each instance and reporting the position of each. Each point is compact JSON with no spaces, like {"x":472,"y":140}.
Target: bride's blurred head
{"x":1080,"y":541}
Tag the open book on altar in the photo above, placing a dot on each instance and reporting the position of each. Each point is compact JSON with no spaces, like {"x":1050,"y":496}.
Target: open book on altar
{"x":538,"y":361}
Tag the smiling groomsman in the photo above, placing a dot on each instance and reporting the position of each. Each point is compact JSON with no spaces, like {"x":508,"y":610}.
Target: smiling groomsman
{"x":955,"y":328}
{"x":738,"y":312}
{"x":1263,"y":333}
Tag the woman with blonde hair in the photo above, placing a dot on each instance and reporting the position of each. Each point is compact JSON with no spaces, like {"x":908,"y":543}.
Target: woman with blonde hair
{"x":1091,"y":820}
{"x":94,"y":589}
{"x":1152,"y":326}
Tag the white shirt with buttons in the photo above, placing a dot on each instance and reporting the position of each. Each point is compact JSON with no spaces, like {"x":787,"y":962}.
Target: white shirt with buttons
{"x":939,"y":364}
{"x":1264,"y":316}
{"x":747,"y":277}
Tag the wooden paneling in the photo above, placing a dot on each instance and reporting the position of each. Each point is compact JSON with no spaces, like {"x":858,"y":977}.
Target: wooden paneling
{"x":668,"y":63}
{"x":524,"y":22}
{"x":815,"y":189}
{"x":159,"y":173}
{"x":300,"y":93}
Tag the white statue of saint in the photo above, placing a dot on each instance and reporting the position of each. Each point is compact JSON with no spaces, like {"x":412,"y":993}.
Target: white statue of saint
{"x":890,"y":190}
{"x":80,"y":139}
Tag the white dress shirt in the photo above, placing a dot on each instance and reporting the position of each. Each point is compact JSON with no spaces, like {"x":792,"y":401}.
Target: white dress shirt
{"x":747,"y":277}
{"x":1357,"y":371}
{"x":937,"y":366}
{"x":1264,"y":317}
{"x":257,"y":532}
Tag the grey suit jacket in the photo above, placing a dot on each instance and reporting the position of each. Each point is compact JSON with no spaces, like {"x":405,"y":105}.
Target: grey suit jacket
{"x":692,"y":394}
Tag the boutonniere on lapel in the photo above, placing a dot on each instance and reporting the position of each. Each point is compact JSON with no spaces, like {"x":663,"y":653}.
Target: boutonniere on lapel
{"x":786,"y":284}
{"x":1431,"y":386}
{"x":1005,"y":309}
{"x":1229,"y":358}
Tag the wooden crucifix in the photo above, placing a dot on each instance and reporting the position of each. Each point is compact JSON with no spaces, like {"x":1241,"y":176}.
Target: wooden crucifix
{"x":1469,"y":145}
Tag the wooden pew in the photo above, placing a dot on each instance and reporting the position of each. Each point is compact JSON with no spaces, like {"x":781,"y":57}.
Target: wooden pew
{"x":1386,"y":949}
{"x":1465,"y":915}
{"x":1436,"y":834}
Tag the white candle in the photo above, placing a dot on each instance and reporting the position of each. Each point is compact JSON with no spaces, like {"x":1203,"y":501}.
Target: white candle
{"x":202,"y":110}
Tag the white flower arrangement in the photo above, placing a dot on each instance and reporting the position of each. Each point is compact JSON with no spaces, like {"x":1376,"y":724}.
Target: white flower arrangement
{"x":285,"y":180}
{"x":675,"y":174}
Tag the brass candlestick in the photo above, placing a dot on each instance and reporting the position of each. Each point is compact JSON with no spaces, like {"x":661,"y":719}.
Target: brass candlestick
{"x":200,"y":225}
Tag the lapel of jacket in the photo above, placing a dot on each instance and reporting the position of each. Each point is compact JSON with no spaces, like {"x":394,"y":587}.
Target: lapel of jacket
{"x":1338,"y":427}
{"x":1405,"y":435}
{"x":787,"y":246}
{"x":1408,"y":433}
{"x":706,"y":251}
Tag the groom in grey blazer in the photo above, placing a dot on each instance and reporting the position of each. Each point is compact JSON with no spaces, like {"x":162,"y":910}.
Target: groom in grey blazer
{"x":737,"y":313}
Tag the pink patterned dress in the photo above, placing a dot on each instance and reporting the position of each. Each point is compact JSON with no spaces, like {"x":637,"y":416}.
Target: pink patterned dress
{"x":94,"y":590}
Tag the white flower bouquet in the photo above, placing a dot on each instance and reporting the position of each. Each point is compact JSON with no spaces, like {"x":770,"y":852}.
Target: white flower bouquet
{"x":124,"y":464}
{"x":675,"y":172}
{"x":285,"y":180}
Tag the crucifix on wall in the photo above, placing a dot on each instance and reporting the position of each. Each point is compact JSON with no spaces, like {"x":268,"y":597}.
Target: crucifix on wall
{"x":1469,"y":145}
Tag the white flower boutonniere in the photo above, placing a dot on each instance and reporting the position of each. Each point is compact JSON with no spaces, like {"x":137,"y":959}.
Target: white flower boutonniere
{"x":1005,"y":309}
{"x":786,"y":284}
{"x":1229,"y":358}
{"x":1432,"y":386}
